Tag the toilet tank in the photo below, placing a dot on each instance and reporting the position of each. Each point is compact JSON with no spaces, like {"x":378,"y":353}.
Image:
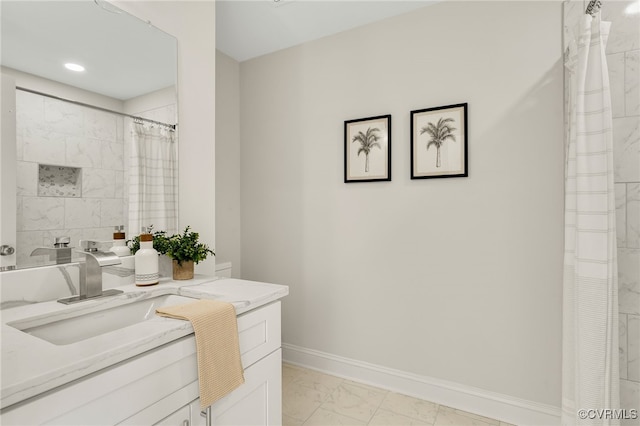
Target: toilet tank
{"x":223,"y":269}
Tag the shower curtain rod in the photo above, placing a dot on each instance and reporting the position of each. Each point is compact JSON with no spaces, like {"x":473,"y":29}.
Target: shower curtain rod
{"x":593,"y":7}
{"x":24,"y":89}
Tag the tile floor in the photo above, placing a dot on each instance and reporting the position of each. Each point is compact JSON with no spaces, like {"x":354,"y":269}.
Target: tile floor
{"x":313,"y":398}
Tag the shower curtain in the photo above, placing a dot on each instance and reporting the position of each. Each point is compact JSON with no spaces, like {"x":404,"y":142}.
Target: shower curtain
{"x":153,"y":179}
{"x":590,"y":375}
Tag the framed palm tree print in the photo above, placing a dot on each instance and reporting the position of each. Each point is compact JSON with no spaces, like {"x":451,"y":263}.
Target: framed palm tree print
{"x":367,"y":149}
{"x":439,"y":142}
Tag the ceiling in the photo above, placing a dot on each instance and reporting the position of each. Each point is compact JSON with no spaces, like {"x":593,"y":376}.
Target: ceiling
{"x":246,"y":29}
{"x":126,"y":57}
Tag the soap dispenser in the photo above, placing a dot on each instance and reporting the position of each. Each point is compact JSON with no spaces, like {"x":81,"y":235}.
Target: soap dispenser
{"x":146,"y":260}
{"x":119,"y":244}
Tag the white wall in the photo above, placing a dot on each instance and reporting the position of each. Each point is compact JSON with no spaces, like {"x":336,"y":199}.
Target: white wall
{"x":456,"y":279}
{"x":193,"y":24}
{"x":228,"y":161}
{"x":159,"y":105}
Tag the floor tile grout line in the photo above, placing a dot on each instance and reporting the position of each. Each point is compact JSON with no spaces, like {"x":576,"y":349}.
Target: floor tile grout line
{"x":405,"y":415}
{"x":342,"y":382}
{"x":311,"y":415}
{"x":387,"y":393}
{"x":328,"y":394}
{"x":322,"y":406}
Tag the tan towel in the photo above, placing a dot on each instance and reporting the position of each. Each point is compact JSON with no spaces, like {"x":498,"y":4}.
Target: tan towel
{"x":216,"y":329}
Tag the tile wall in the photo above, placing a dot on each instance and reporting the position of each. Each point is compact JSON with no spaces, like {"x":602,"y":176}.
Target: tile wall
{"x":83,"y":196}
{"x":623,"y":59}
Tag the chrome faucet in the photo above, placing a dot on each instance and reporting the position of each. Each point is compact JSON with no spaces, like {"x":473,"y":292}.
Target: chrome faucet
{"x":60,"y":252}
{"x":91,"y":273}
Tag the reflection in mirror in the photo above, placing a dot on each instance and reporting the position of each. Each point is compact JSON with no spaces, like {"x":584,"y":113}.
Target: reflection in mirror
{"x":84,"y":164}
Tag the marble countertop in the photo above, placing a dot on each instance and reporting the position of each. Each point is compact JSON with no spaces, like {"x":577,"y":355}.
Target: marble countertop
{"x":30,"y":365}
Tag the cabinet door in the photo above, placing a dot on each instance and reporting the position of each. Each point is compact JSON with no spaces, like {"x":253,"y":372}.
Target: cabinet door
{"x":181,"y":417}
{"x":198,"y":416}
{"x":258,"y":401}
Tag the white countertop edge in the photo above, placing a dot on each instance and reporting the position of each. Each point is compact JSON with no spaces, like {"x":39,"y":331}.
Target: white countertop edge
{"x":54,"y":370}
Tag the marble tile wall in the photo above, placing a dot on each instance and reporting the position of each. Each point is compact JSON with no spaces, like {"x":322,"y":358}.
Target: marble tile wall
{"x":623,"y":54}
{"x":56,"y":133}
{"x":623,"y":59}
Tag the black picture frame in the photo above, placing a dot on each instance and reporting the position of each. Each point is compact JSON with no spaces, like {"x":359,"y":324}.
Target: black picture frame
{"x":439,"y":142}
{"x":370,"y":136}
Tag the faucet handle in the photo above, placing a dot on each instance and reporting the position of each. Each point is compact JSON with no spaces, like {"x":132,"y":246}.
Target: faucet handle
{"x":61,"y":242}
{"x":89,"y":245}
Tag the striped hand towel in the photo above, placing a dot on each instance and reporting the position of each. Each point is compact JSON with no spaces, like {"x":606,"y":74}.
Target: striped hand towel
{"x":218,"y":351}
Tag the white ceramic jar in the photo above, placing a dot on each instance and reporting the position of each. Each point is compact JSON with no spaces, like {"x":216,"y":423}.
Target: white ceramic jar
{"x":146,"y":261}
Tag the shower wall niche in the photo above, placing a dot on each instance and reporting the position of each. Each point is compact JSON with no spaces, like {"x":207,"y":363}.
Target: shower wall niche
{"x":70,"y":174}
{"x":59,"y":181}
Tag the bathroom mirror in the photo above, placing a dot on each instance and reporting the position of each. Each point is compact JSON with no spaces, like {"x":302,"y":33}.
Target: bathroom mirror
{"x":72,"y":165}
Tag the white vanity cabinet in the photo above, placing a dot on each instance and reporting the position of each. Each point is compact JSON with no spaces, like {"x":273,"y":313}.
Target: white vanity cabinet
{"x":182,"y":417}
{"x":258,"y":401}
{"x":161,"y":386}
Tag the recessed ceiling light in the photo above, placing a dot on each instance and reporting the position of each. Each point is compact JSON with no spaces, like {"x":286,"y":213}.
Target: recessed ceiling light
{"x":633,"y":8}
{"x":74,"y":67}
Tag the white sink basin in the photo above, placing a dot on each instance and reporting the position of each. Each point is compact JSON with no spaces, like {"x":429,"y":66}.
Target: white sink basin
{"x":85,"y":326}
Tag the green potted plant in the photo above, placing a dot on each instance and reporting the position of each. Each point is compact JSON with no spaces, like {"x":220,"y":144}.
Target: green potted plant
{"x":185,"y":250}
{"x":160,"y":242}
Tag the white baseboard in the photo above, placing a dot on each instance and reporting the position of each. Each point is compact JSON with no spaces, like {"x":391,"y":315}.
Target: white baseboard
{"x":474,"y":400}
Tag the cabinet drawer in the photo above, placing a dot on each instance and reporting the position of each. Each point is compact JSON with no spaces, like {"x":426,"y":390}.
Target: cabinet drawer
{"x":114,"y":394}
{"x":259,"y":333}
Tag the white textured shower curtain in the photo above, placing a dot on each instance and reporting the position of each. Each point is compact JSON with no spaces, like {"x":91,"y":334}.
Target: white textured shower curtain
{"x":153,"y":179}
{"x":590,"y":376}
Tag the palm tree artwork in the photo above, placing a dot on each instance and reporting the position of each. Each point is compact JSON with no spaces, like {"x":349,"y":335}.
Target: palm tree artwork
{"x":368,"y":141}
{"x":439,"y":133}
